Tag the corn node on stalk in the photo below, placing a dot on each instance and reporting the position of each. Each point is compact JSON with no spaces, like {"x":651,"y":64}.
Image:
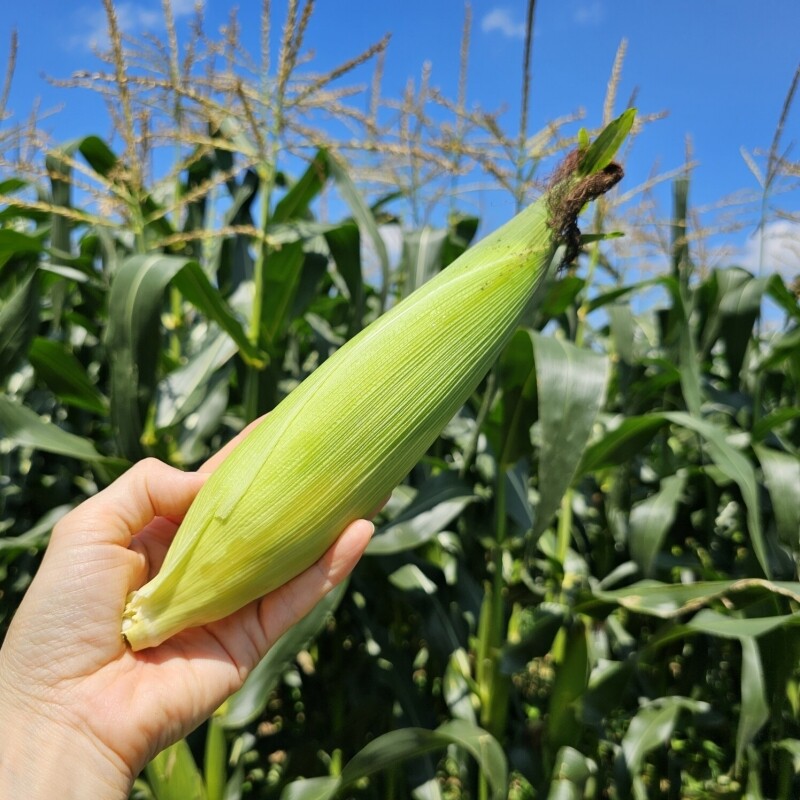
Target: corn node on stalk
{"x":342,"y":440}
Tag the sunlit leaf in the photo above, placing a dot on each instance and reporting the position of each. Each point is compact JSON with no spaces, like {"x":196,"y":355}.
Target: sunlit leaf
{"x":436,"y":505}
{"x":173,"y":774}
{"x":670,"y":600}
{"x":571,"y":384}
{"x":603,"y":149}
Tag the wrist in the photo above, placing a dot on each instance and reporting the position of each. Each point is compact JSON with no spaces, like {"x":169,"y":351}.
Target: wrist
{"x":41,"y":759}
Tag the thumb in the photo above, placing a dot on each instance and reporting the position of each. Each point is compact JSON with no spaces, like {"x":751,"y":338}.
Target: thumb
{"x":147,"y":490}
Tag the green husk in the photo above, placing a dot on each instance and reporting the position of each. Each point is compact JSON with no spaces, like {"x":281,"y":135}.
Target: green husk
{"x":340,"y":442}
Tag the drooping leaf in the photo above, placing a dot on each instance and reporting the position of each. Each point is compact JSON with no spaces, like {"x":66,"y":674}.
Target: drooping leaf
{"x":15,"y":242}
{"x":621,"y":443}
{"x":398,"y":746}
{"x":739,"y":308}
{"x":65,"y":376}
{"x":173,"y":774}
{"x":435,"y":506}
{"x":670,"y":600}
{"x":18,"y":319}
{"x":776,"y":418}
{"x":36,"y":536}
{"x":304,"y":190}
{"x":651,"y":519}
{"x":344,"y":243}
{"x":24,"y":427}
{"x":714,"y":623}
{"x":133,"y":334}
{"x":364,"y":218}
{"x":186,"y":387}
{"x":250,"y":701}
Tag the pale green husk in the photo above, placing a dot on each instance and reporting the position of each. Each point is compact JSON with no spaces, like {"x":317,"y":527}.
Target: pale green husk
{"x":339,"y":443}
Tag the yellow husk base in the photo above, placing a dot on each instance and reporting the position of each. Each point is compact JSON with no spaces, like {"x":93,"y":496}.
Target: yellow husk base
{"x":340,"y":442}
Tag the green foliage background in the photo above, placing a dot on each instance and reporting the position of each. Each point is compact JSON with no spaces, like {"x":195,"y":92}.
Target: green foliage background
{"x":588,"y":588}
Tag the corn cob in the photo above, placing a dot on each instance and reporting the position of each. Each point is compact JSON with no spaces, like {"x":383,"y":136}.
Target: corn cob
{"x":342,"y":440}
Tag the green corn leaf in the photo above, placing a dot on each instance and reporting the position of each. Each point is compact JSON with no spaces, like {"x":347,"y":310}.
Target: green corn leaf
{"x":399,"y":746}
{"x":344,"y":244}
{"x":17,"y":243}
{"x":776,"y":418}
{"x":364,"y":218}
{"x":295,"y":203}
{"x":133,"y":334}
{"x":621,"y":443}
{"x":603,"y":149}
{"x":671,"y":600}
{"x":435,"y":506}
{"x":652,"y":728}
{"x":100,"y":157}
{"x":422,"y":256}
{"x":754,"y":710}
{"x":25,"y":428}
{"x":782,"y":477}
{"x":651,"y":519}
{"x":173,"y":774}
{"x":249,"y":702}
{"x":783,"y":296}
{"x":564,"y":724}
{"x":65,"y":376}
{"x":571,"y":384}
{"x":735,"y":465}
{"x":187,"y":387}
{"x":18,"y":320}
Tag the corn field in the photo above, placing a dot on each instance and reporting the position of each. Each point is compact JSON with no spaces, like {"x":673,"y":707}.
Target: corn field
{"x":589,"y":587}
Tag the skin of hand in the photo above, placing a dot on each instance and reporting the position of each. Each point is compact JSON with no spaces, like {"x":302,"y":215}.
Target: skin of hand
{"x":80,"y":713}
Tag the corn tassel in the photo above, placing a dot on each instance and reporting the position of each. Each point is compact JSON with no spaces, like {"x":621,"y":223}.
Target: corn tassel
{"x":342,"y":440}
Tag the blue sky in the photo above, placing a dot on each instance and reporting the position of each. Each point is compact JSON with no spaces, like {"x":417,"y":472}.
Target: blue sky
{"x":720,"y":68}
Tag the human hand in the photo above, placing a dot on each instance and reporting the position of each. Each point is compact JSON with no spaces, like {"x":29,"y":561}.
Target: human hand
{"x":80,"y":713}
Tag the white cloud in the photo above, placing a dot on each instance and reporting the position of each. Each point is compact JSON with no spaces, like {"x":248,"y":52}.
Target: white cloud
{"x":781,"y":252}
{"x":590,"y":13}
{"x":499,"y":19}
{"x":132,"y":18}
